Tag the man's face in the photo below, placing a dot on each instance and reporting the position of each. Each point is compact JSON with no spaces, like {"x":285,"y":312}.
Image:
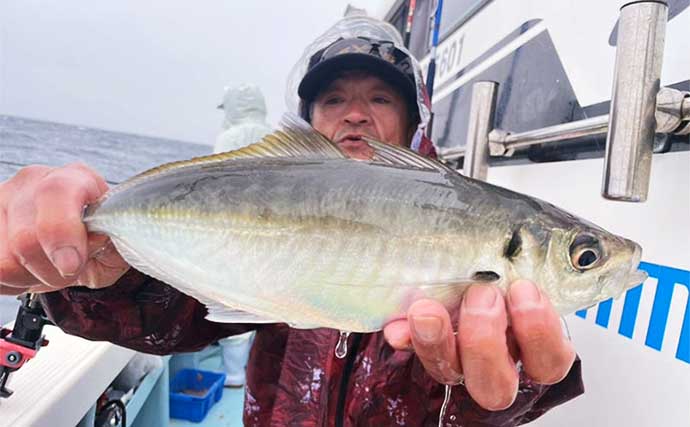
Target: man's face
{"x":358,"y":105}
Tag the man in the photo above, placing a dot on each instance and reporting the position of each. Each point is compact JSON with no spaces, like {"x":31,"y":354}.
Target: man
{"x":244,"y":123}
{"x":355,"y":81}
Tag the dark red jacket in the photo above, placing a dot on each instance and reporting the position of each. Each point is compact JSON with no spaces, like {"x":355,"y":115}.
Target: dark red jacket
{"x":293,"y":377}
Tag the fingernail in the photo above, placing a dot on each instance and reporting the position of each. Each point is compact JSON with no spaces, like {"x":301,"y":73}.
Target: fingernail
{"x":427,"y":328}
{"x":67,"y":261}
{"x":480,"y":297}
{"x":524,"y":293}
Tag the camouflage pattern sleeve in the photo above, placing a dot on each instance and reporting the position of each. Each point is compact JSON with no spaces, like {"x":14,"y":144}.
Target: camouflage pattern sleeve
{"x":137,"y":312}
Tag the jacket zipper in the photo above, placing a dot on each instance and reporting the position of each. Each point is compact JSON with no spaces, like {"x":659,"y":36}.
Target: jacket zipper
{"x":347,"y":372}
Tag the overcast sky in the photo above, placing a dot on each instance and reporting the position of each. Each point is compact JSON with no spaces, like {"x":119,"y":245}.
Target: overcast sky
{"x":154,"y":68}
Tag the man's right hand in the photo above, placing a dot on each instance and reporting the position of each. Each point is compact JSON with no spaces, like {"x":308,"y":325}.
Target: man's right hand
{"x":44,"y":245}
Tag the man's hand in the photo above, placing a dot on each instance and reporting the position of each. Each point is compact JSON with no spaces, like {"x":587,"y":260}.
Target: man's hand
{"x":485,"y":349}
{"x":44,"y":246}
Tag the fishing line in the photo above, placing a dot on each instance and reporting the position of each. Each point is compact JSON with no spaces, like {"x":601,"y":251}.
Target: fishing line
{"x":444,"y":407}
{"x":566,"y":328}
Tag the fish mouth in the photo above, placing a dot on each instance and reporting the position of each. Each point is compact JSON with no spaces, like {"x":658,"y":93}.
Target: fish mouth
{"x":636,"y":276}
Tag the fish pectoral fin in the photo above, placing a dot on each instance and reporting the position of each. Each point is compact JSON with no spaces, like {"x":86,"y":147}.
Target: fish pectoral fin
{"x":420,"y":285}
{"x":401,"y":156}
{"x":448,"y":292}
{"x":223,"y":314}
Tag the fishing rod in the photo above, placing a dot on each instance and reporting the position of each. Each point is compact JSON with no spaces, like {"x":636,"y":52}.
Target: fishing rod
{"x":431,"y":70}
{"x":408,"y":26}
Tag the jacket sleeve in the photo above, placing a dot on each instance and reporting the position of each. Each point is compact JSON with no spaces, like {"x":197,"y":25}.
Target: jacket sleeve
{"x":137,"y":312}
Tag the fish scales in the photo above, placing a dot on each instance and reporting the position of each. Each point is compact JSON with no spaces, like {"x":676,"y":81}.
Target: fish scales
{"x":332,"y":242}
{"x":301,"y":221}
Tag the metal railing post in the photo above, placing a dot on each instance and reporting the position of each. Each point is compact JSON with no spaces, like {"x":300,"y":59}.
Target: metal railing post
{"x":480,"y":123}
{"x":636,"y":82}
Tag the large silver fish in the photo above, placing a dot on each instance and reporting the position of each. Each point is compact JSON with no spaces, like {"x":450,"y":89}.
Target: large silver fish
{"x":290,"y":230}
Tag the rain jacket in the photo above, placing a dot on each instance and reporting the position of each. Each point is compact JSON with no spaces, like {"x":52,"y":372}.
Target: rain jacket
{"x":293,"y":375}
{"x":245,"y":118}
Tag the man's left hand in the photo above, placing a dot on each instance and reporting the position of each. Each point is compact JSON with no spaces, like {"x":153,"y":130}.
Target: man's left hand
{"x":485,"y":350}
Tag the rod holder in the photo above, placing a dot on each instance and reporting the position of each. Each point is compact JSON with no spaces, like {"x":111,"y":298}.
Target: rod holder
{"x":669,"y":110}
{"x":636,"y":82}
{"x":482,"y":108}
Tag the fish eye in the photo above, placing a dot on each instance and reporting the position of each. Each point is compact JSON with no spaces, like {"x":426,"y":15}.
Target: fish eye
{"x":585,"y":252}
{"x":586,"y":258}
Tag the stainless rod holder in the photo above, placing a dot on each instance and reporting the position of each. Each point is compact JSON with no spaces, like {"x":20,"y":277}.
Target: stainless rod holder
{"x":446,"y":154}
{"x":684,"y":128}
{"x":630,"y":138}
{"x":672,"y":117}
{"x":503,"y":143}
{"x":482,"y":108}
{"x":669,"y":109}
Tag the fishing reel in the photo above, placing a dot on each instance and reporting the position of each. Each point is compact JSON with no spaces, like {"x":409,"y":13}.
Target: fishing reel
{"x":19,"y":345}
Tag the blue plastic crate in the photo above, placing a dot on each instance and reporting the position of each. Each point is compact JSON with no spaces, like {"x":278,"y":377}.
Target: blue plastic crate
{"x":193,"y":392}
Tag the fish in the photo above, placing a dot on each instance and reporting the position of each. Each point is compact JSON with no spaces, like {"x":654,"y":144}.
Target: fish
{"x":290,"y":230}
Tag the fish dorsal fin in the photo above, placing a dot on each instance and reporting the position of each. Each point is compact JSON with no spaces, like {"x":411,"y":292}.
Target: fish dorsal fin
{"x":295,"y":138}
{"x":400,"y":156}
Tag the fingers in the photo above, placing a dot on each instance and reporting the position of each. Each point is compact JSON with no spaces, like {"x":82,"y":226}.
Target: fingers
{"x":433,"y":341}
{"x":105,"y":266}
{"x":59,"y":201}
{"x":397,"y":334}
{"x":547,"y":355}
{"x":42,"y":238}
{"x":491,"y":377}
{"x":12,"y":273}
{"x":24,"y":247}
{"x":427,"y":330}
{"x":486,"y":347}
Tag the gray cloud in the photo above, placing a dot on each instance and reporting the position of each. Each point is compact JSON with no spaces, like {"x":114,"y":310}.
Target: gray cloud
{"x":152,"y":68}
